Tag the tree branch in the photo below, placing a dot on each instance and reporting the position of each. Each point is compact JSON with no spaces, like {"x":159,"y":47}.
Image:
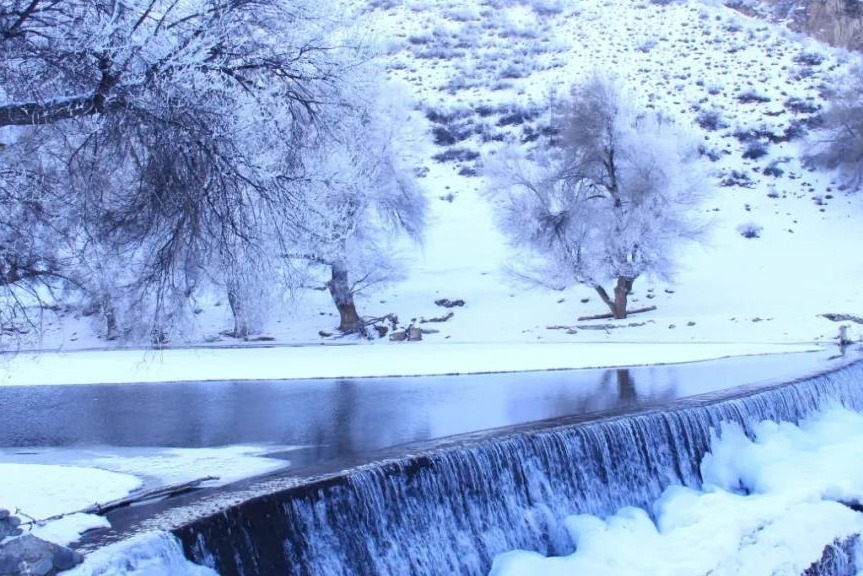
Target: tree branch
{"x":39,"y":113}
{"x":22,"y":17}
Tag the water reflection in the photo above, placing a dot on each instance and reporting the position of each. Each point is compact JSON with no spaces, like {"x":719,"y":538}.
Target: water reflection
{"x":625,"y":385}
{"x":342,"y":418}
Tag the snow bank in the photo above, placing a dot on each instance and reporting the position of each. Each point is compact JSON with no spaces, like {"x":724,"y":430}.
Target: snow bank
{"x":39,"y":491}
{"x":179,"y":465}
{"x":768,"y":506}
{"x":304,"y":362}
{"x":77,"y":478}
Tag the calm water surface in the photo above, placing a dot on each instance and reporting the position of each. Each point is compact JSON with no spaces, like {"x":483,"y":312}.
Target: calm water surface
{"x":349,"y":418}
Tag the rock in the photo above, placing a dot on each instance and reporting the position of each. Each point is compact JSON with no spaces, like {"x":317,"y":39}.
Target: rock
{"x":410,"y":334}
{"x":66,"y":558}
{"x":843,"y":318}
{"x":28,"y":555}
{"x":447,"y":303}
{"x":8,"y":525}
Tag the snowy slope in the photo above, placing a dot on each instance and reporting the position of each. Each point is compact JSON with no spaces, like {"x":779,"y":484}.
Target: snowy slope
{"x":684,"y":59}
{"x":484,"y":71}
{"x":687,"y":60}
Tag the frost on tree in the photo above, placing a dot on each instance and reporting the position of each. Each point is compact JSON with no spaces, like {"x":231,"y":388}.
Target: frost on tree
{"x":175,"y":132}
{"x":34,"y":233}
{"x":361,"y":200}
{"x":838,"y":144}
{"x":610,"y":199}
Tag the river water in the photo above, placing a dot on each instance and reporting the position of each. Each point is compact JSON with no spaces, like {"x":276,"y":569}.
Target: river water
{"x":334,"y":420}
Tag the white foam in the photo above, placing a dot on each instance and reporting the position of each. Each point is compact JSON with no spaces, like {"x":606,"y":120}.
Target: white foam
{"x":768,"y":506}
{"x":150,"y":554}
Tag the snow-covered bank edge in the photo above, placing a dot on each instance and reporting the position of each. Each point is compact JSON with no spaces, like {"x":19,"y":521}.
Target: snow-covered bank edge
{"x":359,"y":361}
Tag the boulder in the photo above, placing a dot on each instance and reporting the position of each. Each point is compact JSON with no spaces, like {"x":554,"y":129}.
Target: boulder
{"x":8,"y":525}
{"x":27,"y":555}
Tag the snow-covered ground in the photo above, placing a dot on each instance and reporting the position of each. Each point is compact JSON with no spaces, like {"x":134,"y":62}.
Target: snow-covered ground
{"x":288,"y":363}
{"x":481,"y":71}
{"x":486,"y":70}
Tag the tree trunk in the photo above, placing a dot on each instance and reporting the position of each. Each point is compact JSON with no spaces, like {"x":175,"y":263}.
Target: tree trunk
{"x":241,"y":321}
{"x":621,"y":294}
{"x":349,"y":321}
{"x":110,"y":317}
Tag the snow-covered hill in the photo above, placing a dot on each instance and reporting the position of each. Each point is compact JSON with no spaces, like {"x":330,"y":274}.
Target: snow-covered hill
{"x":484,"y":71}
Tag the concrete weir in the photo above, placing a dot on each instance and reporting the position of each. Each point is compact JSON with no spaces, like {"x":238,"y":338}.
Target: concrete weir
{"x":450,"y":506}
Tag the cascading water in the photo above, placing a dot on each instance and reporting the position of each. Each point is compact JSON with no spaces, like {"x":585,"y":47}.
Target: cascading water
{"x":839,"y":559}
{"x":450,"y":510}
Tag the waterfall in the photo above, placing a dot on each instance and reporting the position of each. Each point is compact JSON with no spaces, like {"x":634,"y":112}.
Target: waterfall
{"x":452,"y":508}
{"x":838,"y":559}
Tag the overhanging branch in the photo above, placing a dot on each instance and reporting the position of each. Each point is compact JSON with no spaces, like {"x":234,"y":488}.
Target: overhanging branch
{"x":41,"y":113}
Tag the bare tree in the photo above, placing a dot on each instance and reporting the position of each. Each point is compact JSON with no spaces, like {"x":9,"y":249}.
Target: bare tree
{"x":611,"y":201}
{"x":181,"y":128}
{"x":838,"y":144}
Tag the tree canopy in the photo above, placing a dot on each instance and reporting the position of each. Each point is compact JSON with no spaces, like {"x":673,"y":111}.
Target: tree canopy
{"x":156,"y":147}
{"x":609,"y":198}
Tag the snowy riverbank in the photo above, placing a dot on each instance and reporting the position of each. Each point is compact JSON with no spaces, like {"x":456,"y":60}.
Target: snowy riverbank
{"x":355,"y":361}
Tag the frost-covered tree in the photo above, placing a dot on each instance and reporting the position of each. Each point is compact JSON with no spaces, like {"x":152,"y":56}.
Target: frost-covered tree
{"x":361,"y":199}
{"x":611,"y":200}
{"x":838,"y":144}
{"x":179,"y":129}
{"x":35,"y":230}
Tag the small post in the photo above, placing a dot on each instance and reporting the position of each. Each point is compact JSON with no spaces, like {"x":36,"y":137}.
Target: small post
{"x":843,"y":336}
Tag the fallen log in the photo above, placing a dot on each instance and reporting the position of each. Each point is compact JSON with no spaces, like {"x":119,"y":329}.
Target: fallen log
{"x":160,"y":492}
{"x":134,"y":498}
{"x":609,"y":316}
{"x":574,"y":329}
{"x":843,"y":318}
